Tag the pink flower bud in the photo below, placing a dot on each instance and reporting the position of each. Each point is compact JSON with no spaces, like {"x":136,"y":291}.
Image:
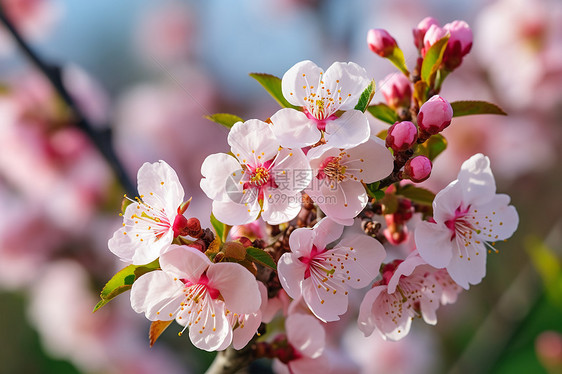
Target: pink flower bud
{"x":421,"y":29}
{"x":435,"y":114}
{"x":417,"y":169}
{"x":459,"y":44}
{"x":381,"y":42}
{"x":397,"y":90}
{"x":401,"y":136}
{"x":432,"y":36}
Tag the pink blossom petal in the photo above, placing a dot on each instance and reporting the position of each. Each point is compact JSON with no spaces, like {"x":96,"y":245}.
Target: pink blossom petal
{"x":291,"y":171}
{"x":476,"y":176}
{"x":498,"y":219}
{"x":237,"y":286}
{"x":159,"y":186}
{"x":280,"y":206}
{"x":300,"y":242}
{"x":361,"y":256}
{"x":370,"y":161}
{"x":232,"y":213}
{"x":157,"y":295}
{"x":216,"y":170}
{"x":392,"y":321}
{"x":252,"y":139}
{"x":344,"y":201}
{"x":327,"y":302}
{"x":405,"y":269}
{"x":291,"y":273}
{"x":303,"y":74}
{"x":348,"y":77}
{"x":349,"y":130}
{"x":184,"y":262}
{"x":468,"y":269}
{"x":434,"y":244}
{"x":211,"y":330}
{"x":294,"y":129}
{"x":366,"y":320}
{"x":306,"y":334}
{"x":325,"y":232}
{"x":447,"y":201}
{"x":246,"y":331}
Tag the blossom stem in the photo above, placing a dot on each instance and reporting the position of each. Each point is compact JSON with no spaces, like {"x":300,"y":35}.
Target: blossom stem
{"x":100,"y":138}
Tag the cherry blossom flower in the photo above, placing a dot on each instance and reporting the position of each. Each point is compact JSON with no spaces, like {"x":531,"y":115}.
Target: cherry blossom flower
{"x":261,"y":177}
{"x":322,"y":274}
{"x":307,"y":337}
{"x":322,"y":94}
{"x":337,"y":186}
{"x":151,"y":223}
{"x":198,"y":294}
{"x":408,"y":289}
{"x":467,"y":215}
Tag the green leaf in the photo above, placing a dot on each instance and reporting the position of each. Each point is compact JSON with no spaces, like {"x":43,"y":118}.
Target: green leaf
{"x":432,"y":147}
{"x":366,"y":97}
{"x":272,"y":85}
{"x":382,"y":134}
{"x":260,"y":256}
{"x":226,"y":119}
{"x":384,"y":113}
{"x":468,"y":108}
{"x":397,"y":59}
{"x":373,"y":190}
{"x":433,"y":59}
{"x":416,"y":194}
{"x":221,"y":229}
{"x":123,"y":281}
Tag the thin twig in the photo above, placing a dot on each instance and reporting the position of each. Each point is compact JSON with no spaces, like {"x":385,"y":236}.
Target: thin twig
{"x":100,"y":139}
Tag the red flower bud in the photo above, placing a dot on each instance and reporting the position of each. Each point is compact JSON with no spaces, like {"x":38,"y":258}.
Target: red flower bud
{"x":459,"y":44}
{"x":401,"y":136}
{"x":381,"y":42}
{"x":435,"y":115}
{"x":432,"y":36}
{"x":418,"y":169}
{"x":421,"y":29}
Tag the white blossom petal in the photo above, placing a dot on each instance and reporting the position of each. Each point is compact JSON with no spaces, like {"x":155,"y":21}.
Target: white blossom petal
{"x":237,"y":286}
{"x":218,"y":170}
{"x":157,"y":295}
{"x":366,"y":320}
{"x":326,"y":300}
{"x":297,"y":81}
{"x":434,"y":244}
{"x":252,"y":139}
{"x":159,"y":186}
{"x":184,"y":262}
{"x":233,"y":213}
{"x":306,"y":334}
{"x":293,"y":129}
{"x":349,"y":130}
{"x":291,"y":273}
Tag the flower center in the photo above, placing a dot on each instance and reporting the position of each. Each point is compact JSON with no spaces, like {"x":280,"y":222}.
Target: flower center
{"x":332,"y":169}
{"x":310,"y":261}
{"x":459,"y":225}
{"x":198,"y":289}
{"x":259,"y":177}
